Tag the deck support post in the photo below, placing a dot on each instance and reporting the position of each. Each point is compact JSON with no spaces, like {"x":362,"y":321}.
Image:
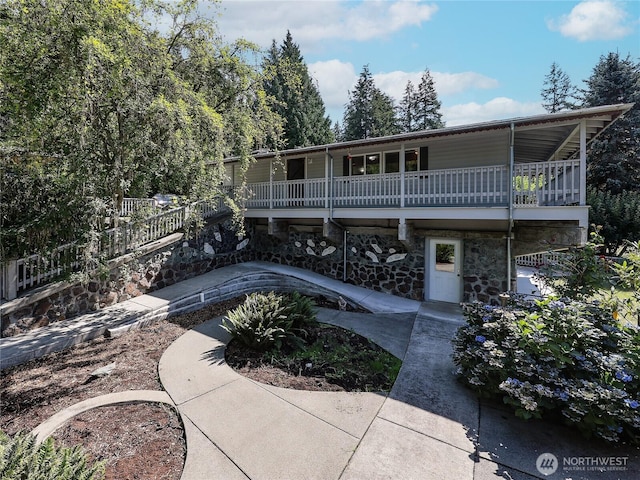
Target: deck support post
{"x":405,"y":234}
{"x":332,"y":232}
{"x":583,"y":162}
{"x":278,"y":229}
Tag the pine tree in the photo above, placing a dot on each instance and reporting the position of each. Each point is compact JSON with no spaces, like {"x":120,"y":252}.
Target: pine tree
{"x":557,"y":93}
{"x":295,"y":96}
{"x":370,"y":112}
{"x":613,"y":162}
{"x":427,"y":105}
{"x":337,"y":132}
{"x":406,"y":111}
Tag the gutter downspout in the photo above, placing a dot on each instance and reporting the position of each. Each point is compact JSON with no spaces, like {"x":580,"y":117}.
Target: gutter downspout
{"x":510,"y":226}
{"x":332,"y":221}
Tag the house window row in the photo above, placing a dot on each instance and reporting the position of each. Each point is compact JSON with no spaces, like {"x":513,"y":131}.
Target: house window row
{"x":389,"y":162}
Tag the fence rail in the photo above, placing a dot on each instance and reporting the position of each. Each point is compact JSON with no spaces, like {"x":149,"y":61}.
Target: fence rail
{"x":533,"y":185}
{"x":132,"y":205}
{"x":537,"y":260}
{"x":39,"y":269}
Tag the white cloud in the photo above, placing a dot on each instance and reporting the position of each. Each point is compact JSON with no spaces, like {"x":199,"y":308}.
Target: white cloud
{"x":335,"y":79}
{"x":311,"y":22}
{"x":394,"y":83}
{"x":593,"y":20}
{"x":495,"y":109}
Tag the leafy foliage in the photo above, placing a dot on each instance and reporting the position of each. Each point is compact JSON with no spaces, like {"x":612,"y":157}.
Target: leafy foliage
{"x":121,"y":108}
{"x":555,"y":357}
{"x":270,"y":320}
{"x":617,"y":215}
{"x":21,"y":458}
{"x":579,"y":273}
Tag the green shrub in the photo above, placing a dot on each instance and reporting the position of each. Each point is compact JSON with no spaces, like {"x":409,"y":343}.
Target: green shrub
{"x":300,"y":310}
{"x":260,"y":322}
{"x":21,"y":458}
{"x":555,"y":357}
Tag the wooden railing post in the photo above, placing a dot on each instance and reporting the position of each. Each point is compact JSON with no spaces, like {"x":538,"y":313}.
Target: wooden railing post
{"x":10,"y":278}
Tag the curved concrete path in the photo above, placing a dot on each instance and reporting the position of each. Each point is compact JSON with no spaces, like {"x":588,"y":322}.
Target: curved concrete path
{"x":428,"y":427}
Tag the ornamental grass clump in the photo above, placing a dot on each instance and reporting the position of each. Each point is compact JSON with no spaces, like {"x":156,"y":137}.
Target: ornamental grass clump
{"x":22,"y":458}
{"x":555,"y":357}
{"x":269,"y":320}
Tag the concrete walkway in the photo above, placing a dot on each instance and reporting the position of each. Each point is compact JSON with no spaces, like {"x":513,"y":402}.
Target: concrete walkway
{"x":428,"y":427}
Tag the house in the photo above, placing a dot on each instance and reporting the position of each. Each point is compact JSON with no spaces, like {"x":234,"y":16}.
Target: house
{"x":436,"y":214}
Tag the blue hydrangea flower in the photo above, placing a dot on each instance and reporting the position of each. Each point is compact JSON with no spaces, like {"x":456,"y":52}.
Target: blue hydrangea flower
{"x":615,"y":429}
{"x":480,"y":339}
{"x":632,"y":403}
{"x":486,"y":318}
{"x":514,"y":381}
{"x":489,"y":308}
{"x":624,"y":376}
{"x":562,"y":394}
{"x":557,"y":304}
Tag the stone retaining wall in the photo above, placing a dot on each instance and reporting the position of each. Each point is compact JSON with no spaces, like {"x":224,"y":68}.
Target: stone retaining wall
{"x":217,"y":246}
{"x":375,"y":261}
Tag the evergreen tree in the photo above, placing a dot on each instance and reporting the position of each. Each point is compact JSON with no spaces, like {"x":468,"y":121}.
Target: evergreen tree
{"x":427,"y":105}
{"x":613,"y":162}
{"x":406,"y":111}
{"x":370,"y":112}
{"x":337,"y":132}
{"x":557,"y":92}
{"x":295,"y":96}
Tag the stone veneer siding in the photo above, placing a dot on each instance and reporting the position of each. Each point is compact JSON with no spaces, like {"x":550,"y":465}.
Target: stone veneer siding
{"x":485,"y":269}
{"x":217,"y":246}
{"x":375,"y":261}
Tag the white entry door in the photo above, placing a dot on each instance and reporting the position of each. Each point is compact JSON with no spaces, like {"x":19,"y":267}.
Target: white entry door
{"x":445,"y":270}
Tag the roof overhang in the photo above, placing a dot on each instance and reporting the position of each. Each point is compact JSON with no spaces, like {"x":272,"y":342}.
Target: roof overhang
{"x":552,"y":136}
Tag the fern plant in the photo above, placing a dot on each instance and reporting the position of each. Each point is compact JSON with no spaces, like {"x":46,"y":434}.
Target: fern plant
{"x":21,"y":457}
{"x":300,"y":310}
{"x":260,"y":322}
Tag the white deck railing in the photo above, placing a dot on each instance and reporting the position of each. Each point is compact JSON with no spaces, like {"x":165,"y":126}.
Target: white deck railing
{"x":132,"y":205}
{"x":39,"y":269}
{"x":547,"y":183}
{"x":534,"y":184}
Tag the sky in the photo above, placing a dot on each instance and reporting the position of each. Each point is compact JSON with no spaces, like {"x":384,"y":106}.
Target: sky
{"x":488,"y":58}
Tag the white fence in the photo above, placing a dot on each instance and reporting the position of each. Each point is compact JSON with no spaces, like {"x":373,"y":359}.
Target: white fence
{"x":533,"y":184}
{"x":39,"y":269}
{"x":132,"y":205}
{"x":537,"y":260}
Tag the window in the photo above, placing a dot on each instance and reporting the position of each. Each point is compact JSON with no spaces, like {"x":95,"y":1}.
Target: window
{"x":373,"y":164}
{"x":392,"y":162}
{"x":357,"y":165}
{"x":368,"y":164}
{"x":411,"y":161}
{"x":414,"y":160}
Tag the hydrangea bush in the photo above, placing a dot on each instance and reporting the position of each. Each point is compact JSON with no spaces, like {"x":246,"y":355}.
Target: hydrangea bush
{"x":555,"y":357}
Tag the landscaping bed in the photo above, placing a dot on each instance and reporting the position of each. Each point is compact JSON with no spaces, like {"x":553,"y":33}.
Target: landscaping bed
{"x":146,"y":441}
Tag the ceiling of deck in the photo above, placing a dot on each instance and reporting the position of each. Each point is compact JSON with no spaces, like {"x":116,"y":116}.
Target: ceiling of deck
{"x":555,"y":142}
